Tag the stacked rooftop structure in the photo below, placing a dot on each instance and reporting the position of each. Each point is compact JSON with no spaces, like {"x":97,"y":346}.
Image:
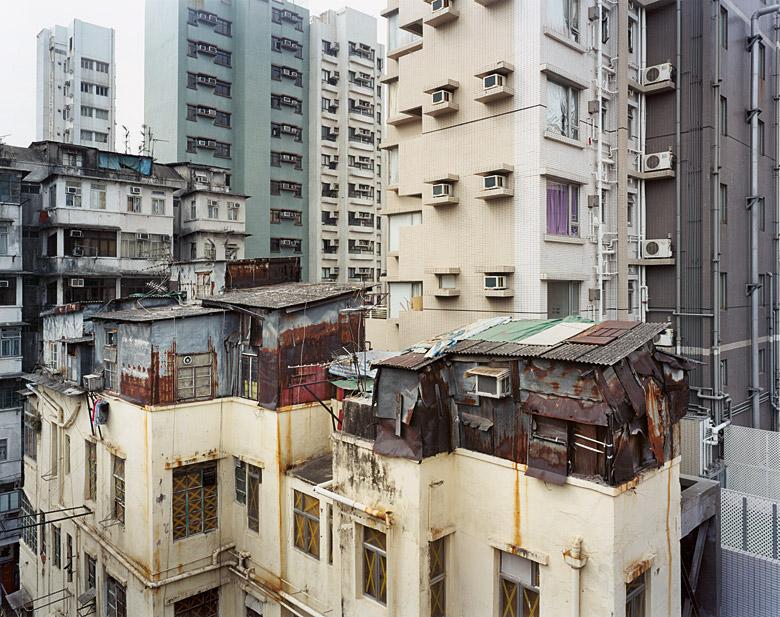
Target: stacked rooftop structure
{"x":76,"y":85}
{"x":345,"y":63}
{"x":234,"y":93}
{"x":551,"y":169}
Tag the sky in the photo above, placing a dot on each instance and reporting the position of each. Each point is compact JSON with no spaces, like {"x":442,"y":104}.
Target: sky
{"x":23,"y":20}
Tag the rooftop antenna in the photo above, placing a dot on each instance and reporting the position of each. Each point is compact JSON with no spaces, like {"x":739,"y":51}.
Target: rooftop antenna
{"x":127,"y":139}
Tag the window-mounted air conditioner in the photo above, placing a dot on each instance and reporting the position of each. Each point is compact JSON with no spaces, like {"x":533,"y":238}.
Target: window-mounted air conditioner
{"x":76,"y":233}
{"x":442,"y":189}
{"x":77,"y":282}
{"x":494,"y":281}
{"x":141,"y":236}
{"x":658,"y":73}
{"x":135,"y":190}
{"x":492,"y":382}
{"x":440,"y":96}
{"x":657,"y":249}
{"x":73,"y":190}
{"x":287,"y":214}
{"x":495,"y":181}
{"x":658,"y":161}
{"x":202,"y":179}
{"x":286,"y":242}
{"x":493,"y":80}
{"x":5,"y":284}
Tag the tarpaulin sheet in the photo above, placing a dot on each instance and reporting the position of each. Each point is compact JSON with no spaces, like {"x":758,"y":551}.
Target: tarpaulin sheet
{"x":121,"y":162}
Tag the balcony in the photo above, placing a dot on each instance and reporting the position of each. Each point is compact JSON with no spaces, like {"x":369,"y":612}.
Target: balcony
{"x":441,"y":17}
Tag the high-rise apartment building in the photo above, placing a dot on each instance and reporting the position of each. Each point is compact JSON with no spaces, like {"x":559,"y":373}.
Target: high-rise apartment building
{"x":345,"y":62}
{"x":232,"y":91}
{"x":589,"y":158}
{"x":76,"y":85}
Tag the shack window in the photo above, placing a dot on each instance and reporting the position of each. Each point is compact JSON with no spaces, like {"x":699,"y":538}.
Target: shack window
{"x":437,"y":570}
{"x":518,"y":587}
{"x":253,"y":481}
{"x":548,"y":449}
{"x":490,"y":381}
{"x":116,"y":603}
{"x":193,"y":376}
{"x":205,"y":604}
{"x":90,"y":450}
{"x":375,"y":564}
{"x":635,"y":597}
{"x":118,"y":488}
{"x":306,"y":523}
{"x":194,"y":499}
{"x":249,"y":376}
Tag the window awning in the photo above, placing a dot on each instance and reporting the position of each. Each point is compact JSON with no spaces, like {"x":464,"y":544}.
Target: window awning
{"x":488,"y":371}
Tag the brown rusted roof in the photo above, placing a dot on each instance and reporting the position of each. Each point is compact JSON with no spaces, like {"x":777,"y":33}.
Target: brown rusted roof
{"x":283,"y":295}
{"x":410,"y":361}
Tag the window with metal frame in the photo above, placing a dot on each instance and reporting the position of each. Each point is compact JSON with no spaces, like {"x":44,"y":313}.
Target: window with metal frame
{"x":118,"y":473}
{"x":90,"y":450}
{"x":10,"y":342}
{"x":306,"y":523}
{"x":249,"y":376}
{"x":30,"y":434}
{"x":205,"y":604}
{"x":239,"y":475}
{"x":437,"y":569}
{"x":375,"y":564}
{"x":3,"y":449}
{"x":90,"y":572}
{"x":562,"y":109}
{"x":635,"y":597}
{"x":69,"y":556}
{"x":193,"y":376}
{"x":563,"y":212}
{"x":518,"y":587}
{"x":56,"y":540}
{"x":27,"y":520}
{"x":195,"y":499}
{"x":254,"y":478}
{"x":116,"y":600}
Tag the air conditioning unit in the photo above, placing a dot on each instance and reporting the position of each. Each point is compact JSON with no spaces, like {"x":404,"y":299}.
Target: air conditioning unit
{"x":440,"y":96}
{"x":76,"y":233}
{"x":363,"y":215}
{"x":202,"y":179}
{"x":78,"y":251}
{"x":207,"y":111}
{"x":443,"y":189}
{"x":287,"y":214}
{"x":141,"y":236}
{"x":665,"y":338}
{"x":92,"y":383}
{"x":494,"y":80}
{"x":494,"y":281}
{"x":659,"y":161}
{"x":658,"y":73}
{"x":287,"y":72}
{"x":657,"y":249}
{"x":495,"y":181}
{"x":73,"y":190}
{"x":135,"y":190}
{"x":438,"y":5}
{"x":492,"y":382}
{"x":289,"y":129}
{"x":77,"y":282}
{"x":287,"y":100}
{"x":286,"y":242}
{"x":5,"y":284}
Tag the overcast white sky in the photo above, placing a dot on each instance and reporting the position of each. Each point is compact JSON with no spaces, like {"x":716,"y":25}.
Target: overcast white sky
{"x":23,"y":20}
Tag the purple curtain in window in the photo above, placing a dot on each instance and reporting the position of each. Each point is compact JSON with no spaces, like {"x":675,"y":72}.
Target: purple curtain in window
{"x":557,"y":209}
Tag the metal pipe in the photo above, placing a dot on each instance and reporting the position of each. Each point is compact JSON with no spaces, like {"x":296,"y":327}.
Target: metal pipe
{"x":753,"y":200}
{"x":576,"y":561}
{"x":677,"y":183}
{"x":776,"y":246}
{"x":715,"y":214}
{"x":600,"y":164}
{"x":214,"y":565}
{"x":322,"y":489}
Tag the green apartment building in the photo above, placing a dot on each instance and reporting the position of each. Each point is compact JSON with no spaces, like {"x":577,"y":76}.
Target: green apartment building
{"x":226,"y":83}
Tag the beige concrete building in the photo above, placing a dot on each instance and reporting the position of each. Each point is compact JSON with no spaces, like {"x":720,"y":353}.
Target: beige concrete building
{"x":345,"y":62}
{"x":515,"y":167}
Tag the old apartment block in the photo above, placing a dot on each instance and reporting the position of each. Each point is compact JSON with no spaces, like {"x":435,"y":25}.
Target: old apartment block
{"x":76,"y":85}
{"x":587,"y":158}
{"x":274,"y":507}
{"x":345,"y":96}
{"x":235,"y":94}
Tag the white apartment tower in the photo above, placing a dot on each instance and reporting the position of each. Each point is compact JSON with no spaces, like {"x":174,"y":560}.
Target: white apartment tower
{"x":498,"y":199}
{"x":346,"y":63}
{"x":76,"y":85}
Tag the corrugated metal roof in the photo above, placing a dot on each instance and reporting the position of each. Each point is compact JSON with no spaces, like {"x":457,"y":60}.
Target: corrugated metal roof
{"x":283,"y":295}
{"x":623,"y":345}
{"x":157,"y":313}
{"x":410,"y":361}
{"x":515,"y":330}
{"x":568,"y":351}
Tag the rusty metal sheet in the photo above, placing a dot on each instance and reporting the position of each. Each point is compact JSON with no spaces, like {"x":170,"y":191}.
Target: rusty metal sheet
{"x":625,"y":454}
{"x":603,"y":333}
{"x":568,"y":351}
{"x":634,"y":390}
{"x":614,"y":394}
{"x":410,"y":361}
{"x":624,"y":345}
{"x":262,"y":271}
{"x":408,"y":445}
{"x":657,"y":420}
{"x":358,"y":418}
{"x":559,"y":378}
{"x":566,"y":408}
{"x":675,"y":361}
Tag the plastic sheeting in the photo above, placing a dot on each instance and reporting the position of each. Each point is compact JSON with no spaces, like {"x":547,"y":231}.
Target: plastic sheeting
{"x":122,"y":162}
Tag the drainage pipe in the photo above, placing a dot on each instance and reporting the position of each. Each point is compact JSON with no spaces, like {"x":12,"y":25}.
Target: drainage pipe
{"x":752,"y":202}
{"x":716,"y":216}
{"x":678,"y":185}
{"x":600,"y":164}
{"x":576,"y":561}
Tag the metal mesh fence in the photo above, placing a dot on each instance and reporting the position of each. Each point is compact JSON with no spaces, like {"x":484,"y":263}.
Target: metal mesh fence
{"x":752,"y":459}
